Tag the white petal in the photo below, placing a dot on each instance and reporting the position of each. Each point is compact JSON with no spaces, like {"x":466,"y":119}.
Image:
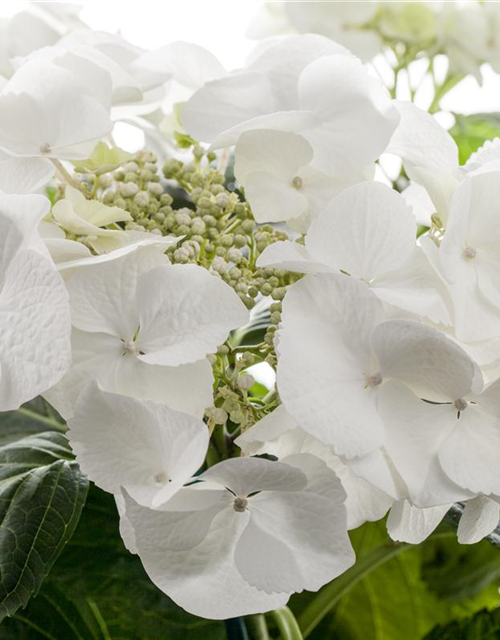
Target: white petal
{"x":296,"y":540}
{"x":185,"y":313}
{"x":23,"y":175}
{"x":270,"y":428}
{"x":146,"y":447}
{"x":324,"y":358}
{"x":421,"y":140}
{"x":204,"y":579}
{"x":95,"y":356}
{"x":284,"y":59}
{"x":367,"y":230}
{"x":273,"y":199}
{"x":44,"y":111}
{"x":19,"y":220}
{"x":278,"y":153}
{"x":424,"y":358}
{"x":188,"y":63}
{"x":226,"y":102}
{"x":277,"y":434}
{"x":407,"y":523}
{"x":292,"y":257}
{"x":355,"y":115}
{"x":187,"y":387}
{"x":103,"y":295}
{"x":479,"y":519}
{"x":244,"y":476}
{"x":35,"y":326}
{"x":417,"y":288}
{"x":135,"y":240}
{"x":414,"y":434}
{"x":469,"y":454}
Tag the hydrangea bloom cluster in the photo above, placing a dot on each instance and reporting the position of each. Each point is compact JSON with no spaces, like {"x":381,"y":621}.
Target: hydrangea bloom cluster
{"x":139,"y":293}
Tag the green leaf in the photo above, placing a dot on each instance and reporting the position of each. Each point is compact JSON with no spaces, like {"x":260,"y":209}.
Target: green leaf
{"x":383,"y":593}
{"x":33,"y":417}
{"x":42,"y":493}
{"x":457,"y":572}
{"x":55,"y":617}
{"x":95,"y":569}
{"x":103,"y":159}
{"x":484,"y":625}
{"x":471,"y":132}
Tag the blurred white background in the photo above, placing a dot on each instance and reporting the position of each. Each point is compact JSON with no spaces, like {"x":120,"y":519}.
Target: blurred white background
{"x":220,"y":26}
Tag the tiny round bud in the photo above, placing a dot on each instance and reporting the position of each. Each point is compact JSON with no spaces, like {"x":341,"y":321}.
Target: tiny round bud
{"x":297,"y":182}
{"x":129,"y":189}
{"x":245,"y":381}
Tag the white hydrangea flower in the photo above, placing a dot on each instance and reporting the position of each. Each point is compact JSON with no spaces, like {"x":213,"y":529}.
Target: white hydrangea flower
{"x":35,"y":323}
{"x":143,"y":446}
{"x":280,"y":185}
{"x":302,"y":84}
{"x":369,"y":232}
{"x":79,"y":216}
{"x":143,"y":327}
{"x":247,"y":536}
{"x":277,"y":434}
{"x":459,"y":438}
{"x":49,"y":111}
{"x":335,"y":333}
{"x":430,"y":157}
{"x":468,"y":257}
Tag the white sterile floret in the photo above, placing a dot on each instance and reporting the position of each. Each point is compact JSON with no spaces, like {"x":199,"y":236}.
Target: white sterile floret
{"x":469,"y":257}
{"x":277,"y":434}
{"x":280,"y":185}
{"x":35,"y":323}
{"x":79,"y":216}
{"x":302,"y":84}
{"x":336,"y":351}
{"x":247,"y":536}
{"x":143,"y":327}
{"x":368,"y":231}
{"x":146,"y":447}
{"x":47,"y":110}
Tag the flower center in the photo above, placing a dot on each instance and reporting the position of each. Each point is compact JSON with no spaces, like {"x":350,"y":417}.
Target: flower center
{"x":297,"y":182}
{"x":460,"y":404}
{"x":374,"y":379}
{"x":45,"y":148}
{"x":129,"y":346}
{"x":240,"y":504}
{"x":469,"y":253}
{"x":162,"y":478}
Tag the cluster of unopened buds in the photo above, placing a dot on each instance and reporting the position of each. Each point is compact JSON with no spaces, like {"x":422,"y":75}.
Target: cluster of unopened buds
{"x":153,"y":301}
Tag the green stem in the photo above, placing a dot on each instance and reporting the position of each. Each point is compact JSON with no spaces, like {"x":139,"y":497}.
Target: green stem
{"x":328,"y":597}
{"x":257,"y":627}
{"x":442,"y":90}
{"x":287,"y":624}
{"x":64,"y":175}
